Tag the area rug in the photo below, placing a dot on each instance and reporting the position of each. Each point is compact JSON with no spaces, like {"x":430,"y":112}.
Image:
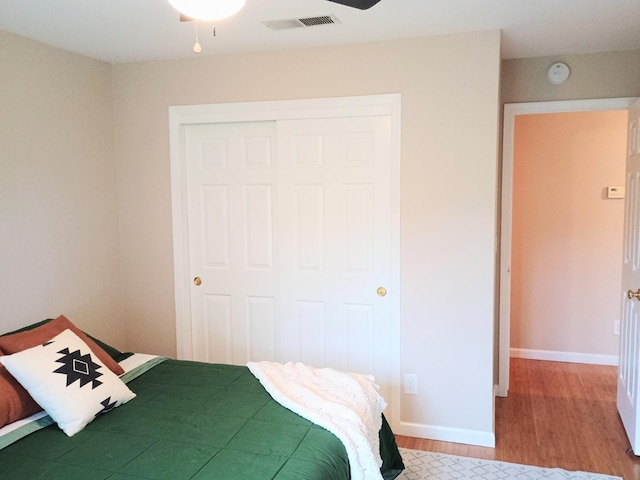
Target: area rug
{"x":439,"y":466}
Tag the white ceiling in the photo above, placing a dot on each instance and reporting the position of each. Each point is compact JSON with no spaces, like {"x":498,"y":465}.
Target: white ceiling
{"x":142,"y":30}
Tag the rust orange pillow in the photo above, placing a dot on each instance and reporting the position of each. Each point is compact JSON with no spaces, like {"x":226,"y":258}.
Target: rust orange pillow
{"x":18,"y":342}
{"x":15,"y":402}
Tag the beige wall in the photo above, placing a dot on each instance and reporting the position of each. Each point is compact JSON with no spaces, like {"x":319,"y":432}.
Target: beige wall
{"x":597,"y":75}
{"x":449,"y":88}
{"x":567,"y":236}
{"x":58,"y":208}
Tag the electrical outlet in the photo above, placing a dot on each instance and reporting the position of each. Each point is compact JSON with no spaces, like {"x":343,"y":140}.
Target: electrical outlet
{"x":616,"y":327}
{"x":410,"y":384}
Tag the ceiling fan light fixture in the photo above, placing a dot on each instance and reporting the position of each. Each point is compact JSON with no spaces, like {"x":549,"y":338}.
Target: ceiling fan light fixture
{"x":207,"y":10}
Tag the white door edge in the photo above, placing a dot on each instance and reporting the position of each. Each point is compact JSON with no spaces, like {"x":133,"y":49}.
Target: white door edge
{"x":180,"y":116}
{"x":511,"y":110}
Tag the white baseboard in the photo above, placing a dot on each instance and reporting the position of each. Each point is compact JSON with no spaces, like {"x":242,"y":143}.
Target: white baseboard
{"x":570,"y":357}
{"x":445,"y":434}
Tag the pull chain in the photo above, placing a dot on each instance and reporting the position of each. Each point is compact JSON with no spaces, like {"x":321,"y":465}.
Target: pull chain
{"x":197,"y":48}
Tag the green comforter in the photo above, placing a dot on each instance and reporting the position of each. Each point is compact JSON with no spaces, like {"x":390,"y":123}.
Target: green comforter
{"x":191,"y":420}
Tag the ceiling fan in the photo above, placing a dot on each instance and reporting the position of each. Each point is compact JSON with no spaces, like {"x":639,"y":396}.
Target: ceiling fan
{"x":191,"y":10}
{"x":361,"y":4}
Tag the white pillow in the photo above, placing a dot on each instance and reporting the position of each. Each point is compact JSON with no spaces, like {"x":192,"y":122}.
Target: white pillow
{"x":68,"y":381}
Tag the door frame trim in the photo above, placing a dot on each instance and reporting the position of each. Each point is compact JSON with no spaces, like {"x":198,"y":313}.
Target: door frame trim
{"x":359,"y":106}
{"x":511,"y":110}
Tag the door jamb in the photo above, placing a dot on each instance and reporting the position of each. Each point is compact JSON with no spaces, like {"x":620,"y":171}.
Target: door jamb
{"x":511,"y":110}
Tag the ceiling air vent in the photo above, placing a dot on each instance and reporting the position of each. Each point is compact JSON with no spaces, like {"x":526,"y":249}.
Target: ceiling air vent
{"x":322,"y":20}
{"x":288,"y":23}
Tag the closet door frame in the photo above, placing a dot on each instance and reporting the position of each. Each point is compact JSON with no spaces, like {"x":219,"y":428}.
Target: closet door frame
{"x":181,"y":116}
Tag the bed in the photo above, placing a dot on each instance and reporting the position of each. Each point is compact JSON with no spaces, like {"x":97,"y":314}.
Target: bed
{"x":188,"y":420}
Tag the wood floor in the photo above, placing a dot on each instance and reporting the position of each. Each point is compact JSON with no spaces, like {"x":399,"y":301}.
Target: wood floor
{"x":556,"y":415}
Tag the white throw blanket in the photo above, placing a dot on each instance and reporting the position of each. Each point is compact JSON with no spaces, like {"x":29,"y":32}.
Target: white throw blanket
{"x":346,"y":404}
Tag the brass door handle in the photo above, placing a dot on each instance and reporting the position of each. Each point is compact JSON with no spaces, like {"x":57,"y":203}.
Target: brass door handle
{"x":381,"y":291}
{"x":631,"y":294}
{"x":197,"y":281}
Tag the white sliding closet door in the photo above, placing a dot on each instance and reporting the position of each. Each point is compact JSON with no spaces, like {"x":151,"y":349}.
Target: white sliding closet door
{"x":335,"y":207}
{"x":290,"y":242}
{"x":231,"y":188}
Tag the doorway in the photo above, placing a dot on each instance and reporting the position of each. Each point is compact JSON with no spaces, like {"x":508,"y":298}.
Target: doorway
{"x":511,"y":114}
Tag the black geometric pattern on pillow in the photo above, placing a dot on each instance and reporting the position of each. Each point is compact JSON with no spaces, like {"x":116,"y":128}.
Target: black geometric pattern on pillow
{"x":79,"y":367}
{"x":107,"y":406}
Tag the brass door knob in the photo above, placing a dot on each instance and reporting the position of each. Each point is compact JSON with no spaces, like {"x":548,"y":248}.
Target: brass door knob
{"x":197,"y":281}
{"x":631,"y":294}
{"x":381,"y":291}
